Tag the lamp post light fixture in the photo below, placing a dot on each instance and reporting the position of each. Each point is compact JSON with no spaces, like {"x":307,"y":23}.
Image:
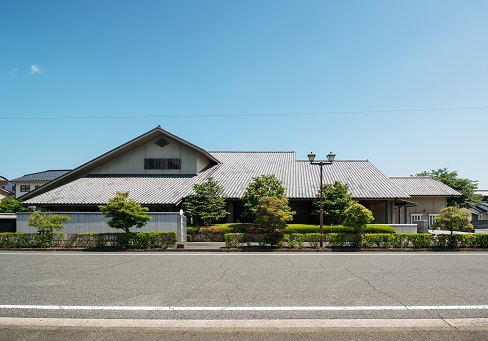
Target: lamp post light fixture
{"x":330,"y":159}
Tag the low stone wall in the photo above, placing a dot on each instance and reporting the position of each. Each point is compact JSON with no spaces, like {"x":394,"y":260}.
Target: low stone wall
{"x":404,"y":228}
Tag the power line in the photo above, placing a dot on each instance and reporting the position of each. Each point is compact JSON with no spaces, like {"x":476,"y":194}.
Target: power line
{"x":239,"y":115}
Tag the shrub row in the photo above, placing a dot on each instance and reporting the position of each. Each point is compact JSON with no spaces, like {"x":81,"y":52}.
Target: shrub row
{"x":428,"y":240}
{"x":368,"y":240}
{"x":299,"y":228}
{"x":12,"y":240}
{"x":292,"y":228}
{"x":137,"y":240}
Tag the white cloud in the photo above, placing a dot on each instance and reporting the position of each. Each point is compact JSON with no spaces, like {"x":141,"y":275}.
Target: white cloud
{"x":35,"y":69}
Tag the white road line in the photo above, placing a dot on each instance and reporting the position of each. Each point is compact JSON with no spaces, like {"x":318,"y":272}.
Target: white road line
{"x":282,"y":308}
{"x":263,"y":324}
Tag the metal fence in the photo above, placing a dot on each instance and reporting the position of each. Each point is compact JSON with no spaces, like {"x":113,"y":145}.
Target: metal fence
{"x":94,"y":222}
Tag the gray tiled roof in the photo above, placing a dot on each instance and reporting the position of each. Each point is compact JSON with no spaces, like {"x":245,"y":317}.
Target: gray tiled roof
{"x":300,"y":178}
{"x":474,"y":210}
{"x":48,"y":175}
{"x":96,"y":190}
{"x":234,"y":172}
{"x":423,"y":186}
{"x":482,"y":207}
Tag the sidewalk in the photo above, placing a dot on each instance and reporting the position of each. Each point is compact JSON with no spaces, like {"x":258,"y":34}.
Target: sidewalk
{"x":202,"y":246}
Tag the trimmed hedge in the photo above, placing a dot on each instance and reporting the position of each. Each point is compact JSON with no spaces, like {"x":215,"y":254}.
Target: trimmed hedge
{"x":313,"y":239}
{"x":290,"y":229}
{"x":233,"y":239}
{"x":294,"y":239}
{"x":378,"y":240}
{"x":136,"y":240}
{"x":225,"y":228}
{"x":302,"y":228}
{"x":379,"y":229}
{"x":13,"y":240}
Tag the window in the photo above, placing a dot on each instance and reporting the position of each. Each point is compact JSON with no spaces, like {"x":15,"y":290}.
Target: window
{"x":415,"y":217}
{"x":431,"y":219}
{"x":162,"y":163}
{"x":24,"y":188}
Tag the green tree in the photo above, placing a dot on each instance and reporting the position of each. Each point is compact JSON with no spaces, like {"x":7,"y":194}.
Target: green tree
{"x":271,"y":216}
{"x":124,"y":212}
{"x":464,"y":186}
{"x":208,"y":203}
{"x":336,"y":199}
{"x":10,"y":205}
{"x":357,"y":217}
{"x":261,"y":186}
{"x":454,"y":219}
{"x":46,"y":223}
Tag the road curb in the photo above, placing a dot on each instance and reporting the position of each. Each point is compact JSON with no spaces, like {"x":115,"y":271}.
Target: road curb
{"x":255,"y":324}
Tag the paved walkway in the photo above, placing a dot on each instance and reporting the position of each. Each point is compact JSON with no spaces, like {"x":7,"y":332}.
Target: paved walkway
{"x":208,"y":246}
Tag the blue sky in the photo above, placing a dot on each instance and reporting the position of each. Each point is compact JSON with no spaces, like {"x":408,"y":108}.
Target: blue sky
{"x":401,"y":83}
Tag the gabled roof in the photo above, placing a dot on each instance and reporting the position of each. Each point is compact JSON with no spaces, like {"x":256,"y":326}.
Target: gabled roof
{"x":48,"y":175}
{"x":482,"y":207}
{"x":424,"y":186}
{"x":96,"y":190}
{"x":5,"y":192}
{"x":84,"y":169}
{"x":300,"y":178}
{"x":234,"y":172}
{"x":474,"y":210}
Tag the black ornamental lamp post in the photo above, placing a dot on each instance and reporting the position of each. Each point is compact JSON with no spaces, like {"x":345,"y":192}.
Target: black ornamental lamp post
{"x":330,"y":159}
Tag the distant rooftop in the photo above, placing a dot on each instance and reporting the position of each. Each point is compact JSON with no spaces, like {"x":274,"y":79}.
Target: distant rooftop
{"x":48,"y":175}
{"x":5,"y":191}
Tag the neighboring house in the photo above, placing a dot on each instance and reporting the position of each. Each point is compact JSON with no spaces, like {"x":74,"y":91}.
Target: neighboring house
{"x":483,"y":193}
{"x":30,"y":182}
{"x":4,"y":193}
{"x":10,"y":186}
{"x":480,"y":212}
{"x":427,"y":197}
{"x":160,"y":169}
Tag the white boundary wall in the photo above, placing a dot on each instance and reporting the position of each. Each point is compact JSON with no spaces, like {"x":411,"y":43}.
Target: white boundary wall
{"x":95,"y":222}
{"x":404,"y":228}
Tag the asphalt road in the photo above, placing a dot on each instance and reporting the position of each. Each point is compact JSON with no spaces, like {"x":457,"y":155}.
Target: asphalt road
{"x":244,"y":286}
{"x":196,"y":335}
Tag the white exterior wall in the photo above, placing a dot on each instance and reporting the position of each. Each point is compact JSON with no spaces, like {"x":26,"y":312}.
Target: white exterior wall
{"x":404,"y":228}
{"x":32,"y":185}
{"x":95,"y":222}
{"x":132,"y":162}
{"x":426,"y":206}
{"x":202,"y":162}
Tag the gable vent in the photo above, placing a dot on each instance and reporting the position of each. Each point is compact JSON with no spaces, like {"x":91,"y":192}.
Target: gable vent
{"x":162,"y":142}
